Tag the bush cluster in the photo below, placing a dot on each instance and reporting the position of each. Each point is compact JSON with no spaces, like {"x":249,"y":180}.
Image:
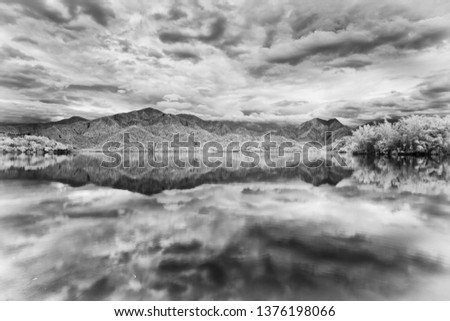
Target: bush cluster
{"x":410,"y":135}
{"x":30,"y":144}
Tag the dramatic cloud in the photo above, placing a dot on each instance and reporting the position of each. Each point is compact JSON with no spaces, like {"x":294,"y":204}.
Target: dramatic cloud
{"x":287,"y":60}
{"x":436,"y":86}
{"x":65,"y":11}
{"x":216,"y":31}
{"x":353,"y":63}
{"x":103,"y":88}
{"x":400,"y":35}
{"x":183,"y":54}
{"x":25,"y":40}
{"x":175,"y":14}
{"x":7,"y":52}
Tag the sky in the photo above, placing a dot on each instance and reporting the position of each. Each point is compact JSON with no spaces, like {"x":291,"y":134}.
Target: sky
{"x":283,"y":60}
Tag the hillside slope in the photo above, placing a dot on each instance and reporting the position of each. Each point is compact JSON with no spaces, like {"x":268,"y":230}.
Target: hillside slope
{"x":153,"y":125}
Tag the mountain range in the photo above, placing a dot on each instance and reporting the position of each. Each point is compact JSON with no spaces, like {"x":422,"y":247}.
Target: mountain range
{"x":150,"y":124}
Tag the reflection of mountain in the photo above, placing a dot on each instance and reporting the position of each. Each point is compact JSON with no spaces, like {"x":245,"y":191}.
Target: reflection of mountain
{"x":413,"y":175}
{"x":405,"y":174}
{"x":152,"y":125}
{"x":85,"y":169}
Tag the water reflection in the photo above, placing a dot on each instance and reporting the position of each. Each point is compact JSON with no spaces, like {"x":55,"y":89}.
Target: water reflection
{"x":406,"y":174}
{"x":297,"y":234}
{"x":83,"y":169}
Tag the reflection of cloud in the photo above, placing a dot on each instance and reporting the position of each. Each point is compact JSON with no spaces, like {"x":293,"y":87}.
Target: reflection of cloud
{"x":317,"y":246}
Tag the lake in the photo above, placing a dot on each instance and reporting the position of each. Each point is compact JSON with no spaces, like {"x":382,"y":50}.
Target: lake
{"x":377,"y":229}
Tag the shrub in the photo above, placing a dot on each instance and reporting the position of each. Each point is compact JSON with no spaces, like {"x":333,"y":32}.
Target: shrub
{"x":414,"y":134}
{"x":30,"y":144}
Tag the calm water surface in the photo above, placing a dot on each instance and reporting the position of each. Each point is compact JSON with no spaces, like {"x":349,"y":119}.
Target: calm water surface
{"x":72,"y":230}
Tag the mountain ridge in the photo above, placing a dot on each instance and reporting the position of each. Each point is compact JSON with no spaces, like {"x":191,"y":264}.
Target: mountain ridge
{"x":150,"y":124}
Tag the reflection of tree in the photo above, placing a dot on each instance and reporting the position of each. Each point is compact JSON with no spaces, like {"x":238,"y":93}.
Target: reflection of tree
{"x":30,"y":162}
{"x":413,"y":174}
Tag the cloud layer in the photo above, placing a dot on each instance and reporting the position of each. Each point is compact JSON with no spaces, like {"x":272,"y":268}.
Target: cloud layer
{"x":244,"y":60}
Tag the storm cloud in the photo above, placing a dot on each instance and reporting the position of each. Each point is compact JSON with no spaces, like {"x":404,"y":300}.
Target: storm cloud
{"x":104,"y":88}
{"x":182,"y":54}
{"x":216,"y":31}
{"x":355,"y":60}
{"x":399,"y":36}
{"x":97,"y":10}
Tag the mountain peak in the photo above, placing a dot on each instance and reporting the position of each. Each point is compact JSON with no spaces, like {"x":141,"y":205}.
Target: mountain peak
{"x":320,"y":120}
{"x":329,"y":122}
{"x":334,"y":121}
{"x":150,"y":110}
{"x":71,"y":120}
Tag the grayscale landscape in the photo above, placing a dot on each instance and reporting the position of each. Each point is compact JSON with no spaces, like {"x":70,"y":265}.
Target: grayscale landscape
{"x":226,"y":150}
